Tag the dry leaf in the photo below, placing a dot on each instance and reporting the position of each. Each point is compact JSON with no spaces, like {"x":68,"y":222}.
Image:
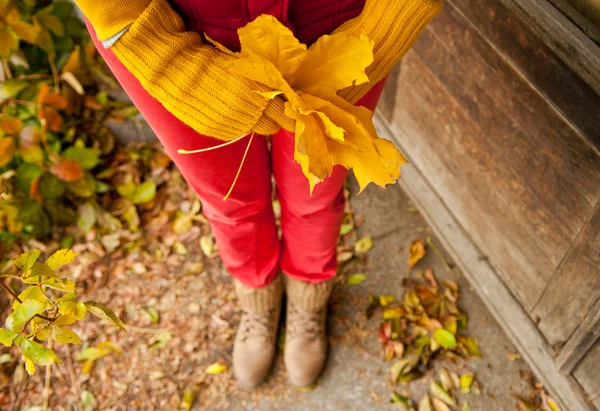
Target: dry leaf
{"x":438,"y":405}
{"x":416,"y":253}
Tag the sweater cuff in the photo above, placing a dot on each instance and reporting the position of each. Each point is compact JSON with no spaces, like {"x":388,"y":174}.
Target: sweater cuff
{"x":274,"y":118}
{"x":110,"y":17}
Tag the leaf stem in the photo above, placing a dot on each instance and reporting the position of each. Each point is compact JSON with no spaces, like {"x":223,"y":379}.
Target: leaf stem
{"x":54,"y":73}
{"x":439,"y":254}
{"x":16,"y":297}
{"x":240,"y":168}
{"x":46,"y":295}
{"x":204,"y":150}
{"x":11,"y":292}
{"x":6,"y":68}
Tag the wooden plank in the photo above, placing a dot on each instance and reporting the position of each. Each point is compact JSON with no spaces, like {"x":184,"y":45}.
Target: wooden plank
{"x":576,"y":49}
{"x":446,"y":144}
{"x":571,"y":96}
{"x":587,"y":373}
{"x":536,"y":181}
{"x":584,"y":13}
{"x":582,"y":340}
{"x":548,"y":154}
{"x":387,"y":102}
{"x":575,"y":288}
{"x":482,"y":276}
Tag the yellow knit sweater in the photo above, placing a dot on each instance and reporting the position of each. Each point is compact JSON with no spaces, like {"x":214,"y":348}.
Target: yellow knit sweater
{"x":188,"y":76}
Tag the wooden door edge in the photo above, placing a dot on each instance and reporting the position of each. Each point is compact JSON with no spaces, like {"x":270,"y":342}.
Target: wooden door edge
{"x":567,"y":40}
{"x":505,"y":308}
{"x":581,"y":341}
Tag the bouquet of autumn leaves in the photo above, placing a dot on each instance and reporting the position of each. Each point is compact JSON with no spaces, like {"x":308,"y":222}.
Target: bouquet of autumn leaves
{"x":329,"y":130}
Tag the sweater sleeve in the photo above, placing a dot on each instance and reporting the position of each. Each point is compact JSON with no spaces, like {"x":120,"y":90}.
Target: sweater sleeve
{"x":186,"y":75}
{"x":393,"y":26}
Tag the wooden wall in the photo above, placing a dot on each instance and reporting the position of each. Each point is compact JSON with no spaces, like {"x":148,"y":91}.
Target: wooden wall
{"x":509,"y":137}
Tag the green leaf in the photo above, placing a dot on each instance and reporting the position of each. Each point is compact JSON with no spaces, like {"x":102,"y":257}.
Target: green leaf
{"x":346,"y":228}
{"x":403,"y":367}
{"x":35,"y":219}
{"x":87,"y":217}
{"x":11,"y":87}
{"x":62,"y":284}
{"x":398,"y":398}
{"x":160,"y":340}
{"x":465,"y":382}
{"x":363,"y":245}
{"x":356,"y":279}
{"x":41,"y":270}
{"x":216,"y":368}
{"x":143,"y":193}
{"x":87,"y":158}
{"x":60,"y":258}
{"x":104,"y":313}
{"x":84,"y":187}
{"x":52,"y":23}
{"x":88,"y":400}
{"x":31,"y":293}
{"x":25,"y":261}
{"x":51,"y":186}
{"x":444,"y":338}
{"x":7,"y":336}
{"x":442,"y":394}
{"x":25,"y":175}
{"x":36,"y":353}
{"x":207,"y":245}
{"x":23,"y":313}
{"x":102,"y":350}
{"x":153,"y":314}
{"x":472,"y":346}
{"x":466,"y":407}
{"x":62,"y":9}
{"x":64,"y":336}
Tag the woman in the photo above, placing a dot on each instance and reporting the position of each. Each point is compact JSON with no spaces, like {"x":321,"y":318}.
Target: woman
{"x":159,"y":52}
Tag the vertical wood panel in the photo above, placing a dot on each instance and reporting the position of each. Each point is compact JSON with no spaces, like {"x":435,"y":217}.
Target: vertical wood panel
{"x":575,"y":288}
{"x":442,"y":142}
{"x":516,"y":173}
{"x":587,"y":373}
{"x":537,"y":62}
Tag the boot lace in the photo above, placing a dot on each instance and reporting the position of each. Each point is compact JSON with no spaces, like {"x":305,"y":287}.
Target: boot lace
{"x":257,"y":325}
{"x":302,"y":322}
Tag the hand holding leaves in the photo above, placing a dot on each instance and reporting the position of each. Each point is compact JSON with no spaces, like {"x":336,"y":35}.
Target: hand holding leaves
{"x":329,"y":130}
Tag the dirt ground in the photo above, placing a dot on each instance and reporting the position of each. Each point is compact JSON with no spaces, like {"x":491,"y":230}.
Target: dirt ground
{"x":181,"y":313}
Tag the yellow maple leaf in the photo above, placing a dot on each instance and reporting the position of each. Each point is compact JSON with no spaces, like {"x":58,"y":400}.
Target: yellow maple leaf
{"x":329,"y":130}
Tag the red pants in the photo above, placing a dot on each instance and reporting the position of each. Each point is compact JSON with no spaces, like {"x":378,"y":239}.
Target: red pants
{"x":244,"y":225}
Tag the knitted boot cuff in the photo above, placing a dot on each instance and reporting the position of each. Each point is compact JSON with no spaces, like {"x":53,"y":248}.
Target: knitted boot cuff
{"x":260,"y":299}
{"x":307,"y":296}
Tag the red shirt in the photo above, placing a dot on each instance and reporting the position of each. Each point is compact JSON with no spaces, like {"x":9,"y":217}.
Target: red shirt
{"x":308,"y":19}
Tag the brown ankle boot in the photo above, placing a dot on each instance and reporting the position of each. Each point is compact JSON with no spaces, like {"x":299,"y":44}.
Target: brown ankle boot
{"x":255,"y":341}
{"x":305,"y":335}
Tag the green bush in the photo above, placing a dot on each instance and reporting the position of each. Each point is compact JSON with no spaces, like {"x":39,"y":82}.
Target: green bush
{"x":55,"y":149}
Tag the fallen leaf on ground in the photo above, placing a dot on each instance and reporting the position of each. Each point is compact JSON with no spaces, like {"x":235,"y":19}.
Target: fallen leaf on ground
{"x":216,"y":368}
{"x":416,"y":253}
{"x":355,"y":279}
